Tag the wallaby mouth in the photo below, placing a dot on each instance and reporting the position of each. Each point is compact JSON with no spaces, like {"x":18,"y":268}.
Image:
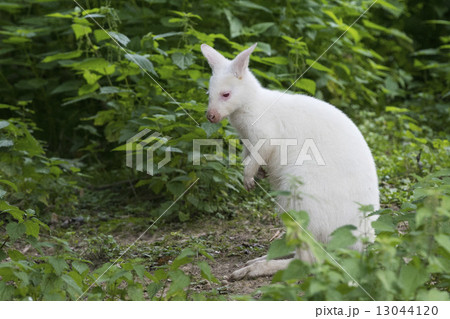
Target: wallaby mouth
{"x":214,"y":120}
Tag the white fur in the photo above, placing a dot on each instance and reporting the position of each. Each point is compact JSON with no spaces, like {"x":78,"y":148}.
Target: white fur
{"x":331,"y":193}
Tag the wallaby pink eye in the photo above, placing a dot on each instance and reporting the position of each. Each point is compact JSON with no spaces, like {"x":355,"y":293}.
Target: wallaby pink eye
{"x":226,"y":94}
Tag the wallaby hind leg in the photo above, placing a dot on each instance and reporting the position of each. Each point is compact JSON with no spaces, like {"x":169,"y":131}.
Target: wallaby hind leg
{"x":260,"y":268}
{"x":252,"y":261}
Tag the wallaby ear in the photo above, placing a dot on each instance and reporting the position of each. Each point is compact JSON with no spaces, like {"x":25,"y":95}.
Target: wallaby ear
{"x":240,"y":62}
{"x":215,"y":59}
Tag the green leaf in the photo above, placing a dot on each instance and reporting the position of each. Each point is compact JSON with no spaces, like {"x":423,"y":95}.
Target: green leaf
{"x":119,"y":37}
{"x":205,"y":271}
{"x":443,"y":240}
{"x":32,"y":228}
{"x":3,"y":124}
{"x":22,"y":276}
{"x":113,"y":89}
{"x":99,"y":65}
{"x":140,"y":270}
{"x":158,"y":276}
{"x":141,"y":61}
{"x":342,"y":237}
{"x":67,"y":87}
{"x":333,"y":16}
{"x":11,"y":6}
{"x":6,"y":291}
{"x":261,"y":27}
{"x":295,"y":218}
{"x":80,"y":267}
{"x":29,"y":145}
{"x":118,"y":275}
{"x":16,"y":255}
{"x":432,"y":295}
{"x":210,"y":128}
{"x":316,"y":65}
{"x":31,"y":84}
{"x":279,"y":248}
{"x":166,"y":35}
{"x":135,"y":292}
{"x":7,"y":106}
{"x":278,"y":60}
{"x":182,"y":216}
{"x":58,"y":264}
{"x":235,"y":24}
{"x":395,"y":109}
{"x":179,"y":281}
{"x":63,"y":56}
{"x":176,"y":188}
{"x":307,"y":85}
{"x":295,"y":271}
{"x":15,"y":212}
{"x":88,"y":88}
{"x":387,"y":278}
{"x":411,"y":277}
{"x":15,"y":230}
{"x":183,"y":61}
{"x":265,"y":47}
{"x":91,"y":77}
{"x":101,"y":35}
{"x":251,"y":5}
{"x":183,"y":258}
{"x":6,"y":143}
{"x":59,"y":15}
{"x":384,"y":223}
{"x":10,"y":184}
{"x":396,"y":11}
{"x":80,"y":30}
{"x":72,"y":287}
{"x":153,"y":288}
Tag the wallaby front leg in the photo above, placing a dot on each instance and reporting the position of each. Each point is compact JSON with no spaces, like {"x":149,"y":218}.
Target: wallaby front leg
{"x":261,"y":174}
{"x":250,"y":171}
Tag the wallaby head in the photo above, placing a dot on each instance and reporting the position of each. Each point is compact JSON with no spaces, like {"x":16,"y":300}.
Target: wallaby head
{"x":231,"y":82}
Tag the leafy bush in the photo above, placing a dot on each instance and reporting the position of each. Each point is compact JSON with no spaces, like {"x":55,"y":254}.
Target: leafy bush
{"x":409,"y":259}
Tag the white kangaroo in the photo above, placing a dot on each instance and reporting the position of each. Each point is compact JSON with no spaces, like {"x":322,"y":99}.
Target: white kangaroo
{"x":331,"y":190}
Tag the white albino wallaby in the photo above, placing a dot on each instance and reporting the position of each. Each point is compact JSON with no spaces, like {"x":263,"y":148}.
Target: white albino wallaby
{"x":341,"y":176}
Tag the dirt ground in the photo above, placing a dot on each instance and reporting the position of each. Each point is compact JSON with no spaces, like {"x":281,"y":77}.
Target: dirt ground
{"x":251,"y":239}
{"x":231,"y":243}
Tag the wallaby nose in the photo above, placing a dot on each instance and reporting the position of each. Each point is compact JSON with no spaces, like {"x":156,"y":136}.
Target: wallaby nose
{"x":213,"y":116}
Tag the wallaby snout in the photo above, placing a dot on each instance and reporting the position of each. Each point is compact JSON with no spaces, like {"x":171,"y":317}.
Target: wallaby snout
{"x":213,"y":116}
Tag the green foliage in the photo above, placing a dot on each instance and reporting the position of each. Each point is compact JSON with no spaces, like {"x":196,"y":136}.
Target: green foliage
{"x":28,"y":178}
{"x":409,"y":259}
{"x":71,"y":98}
{"x":26,"y":174}
{"x":68,"y":278}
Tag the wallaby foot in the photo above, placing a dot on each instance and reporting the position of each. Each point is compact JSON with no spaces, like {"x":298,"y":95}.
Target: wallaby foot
{"x":260,"y":268}
{"x":252,"y":261}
